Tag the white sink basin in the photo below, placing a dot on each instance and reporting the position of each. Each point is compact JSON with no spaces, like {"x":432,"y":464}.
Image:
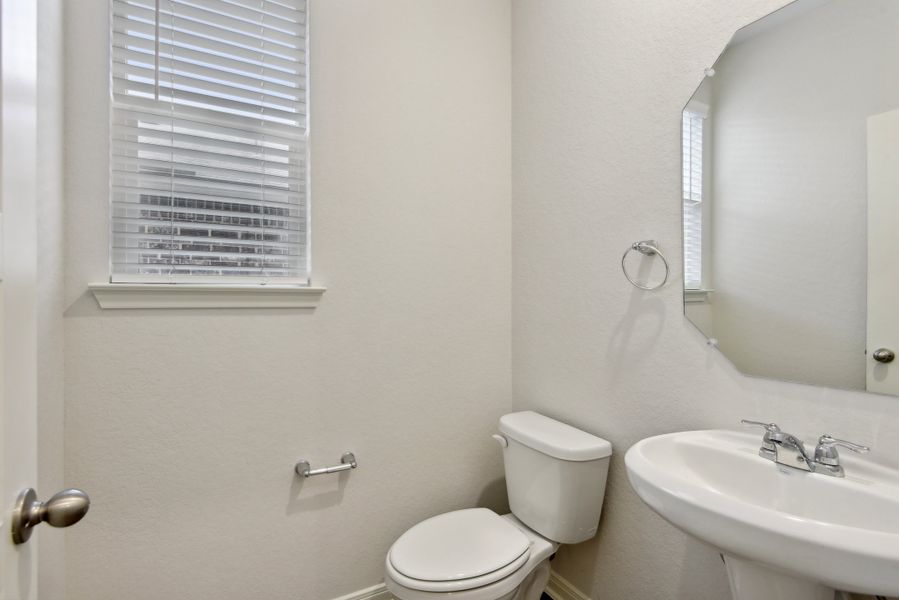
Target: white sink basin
{"x":785,"y":533}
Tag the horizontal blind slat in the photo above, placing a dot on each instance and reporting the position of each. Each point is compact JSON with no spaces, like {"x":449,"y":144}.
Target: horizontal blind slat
{"x":155,"y":273}
{"x":131,"y":105}
{"x":258,"y":136}
{"x":146,"y":135}
{"x":129,"y":182}
{"x":277,"y":72}
{"x":125,"y":223}
{"x":206,"y":157}
{"x":134,"y":31}
{"x":242,"y":242}
{"x":186,"y":86}
{"x":141,"y":63}
{"x":178,"y":19}
{"x":289,"y":10}
{"x":155,"y":204}
{"x":204,"y":175}
{"x":236,"y":18}
{"x":180,"y":94}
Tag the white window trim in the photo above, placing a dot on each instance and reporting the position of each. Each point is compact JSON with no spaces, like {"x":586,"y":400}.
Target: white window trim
{"x":194,"y":296}
{"x":696,"y":295}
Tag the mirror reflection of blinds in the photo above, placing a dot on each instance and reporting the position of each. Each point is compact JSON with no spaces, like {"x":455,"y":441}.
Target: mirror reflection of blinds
{"x":692,"y":198}
{"x":208,"y":149}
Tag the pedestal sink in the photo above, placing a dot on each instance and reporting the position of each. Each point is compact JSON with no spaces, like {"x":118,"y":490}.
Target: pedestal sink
{"x":785,"y":534}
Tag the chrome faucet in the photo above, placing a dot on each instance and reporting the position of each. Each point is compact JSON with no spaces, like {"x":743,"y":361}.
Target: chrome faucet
{"x":788,"y":450}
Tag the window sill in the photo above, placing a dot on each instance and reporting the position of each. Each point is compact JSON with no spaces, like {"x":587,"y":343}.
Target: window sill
{"x":181,"y":295}
{"x":697,"y":295}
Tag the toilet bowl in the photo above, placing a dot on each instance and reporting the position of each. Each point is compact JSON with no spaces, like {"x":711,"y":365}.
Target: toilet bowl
{"x":555,"y":476}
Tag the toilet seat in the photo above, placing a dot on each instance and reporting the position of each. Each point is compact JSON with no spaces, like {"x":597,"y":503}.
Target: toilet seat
{"x":539,"y":551}
{"x":456,"y":551}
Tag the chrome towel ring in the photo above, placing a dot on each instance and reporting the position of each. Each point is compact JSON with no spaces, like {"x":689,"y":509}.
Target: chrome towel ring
{"x":646,"y":248}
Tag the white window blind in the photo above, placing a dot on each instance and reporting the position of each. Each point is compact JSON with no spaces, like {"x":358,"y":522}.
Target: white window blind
{"x":692,"y":197}
{"x":208,"y":149}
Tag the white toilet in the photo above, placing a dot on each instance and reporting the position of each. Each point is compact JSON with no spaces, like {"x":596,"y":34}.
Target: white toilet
{"x":556,"y":479}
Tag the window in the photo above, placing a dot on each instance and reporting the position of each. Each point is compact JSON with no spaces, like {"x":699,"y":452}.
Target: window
{"x":692,"y":198}
{"x":209,"y":141}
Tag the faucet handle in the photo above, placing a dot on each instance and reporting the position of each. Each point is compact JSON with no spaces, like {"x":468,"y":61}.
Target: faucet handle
{"x":828,"y":443}
{"x":772,"y":434}
{"x":826,"y":453}
{"x":768,"y":427}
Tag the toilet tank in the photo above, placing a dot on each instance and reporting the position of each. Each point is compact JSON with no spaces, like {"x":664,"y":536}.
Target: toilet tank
{"x":555,"y":475}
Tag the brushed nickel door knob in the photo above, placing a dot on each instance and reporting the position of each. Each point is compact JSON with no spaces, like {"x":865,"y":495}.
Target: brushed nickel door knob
{"x":884,"y":355}
{"x":61,"y":510}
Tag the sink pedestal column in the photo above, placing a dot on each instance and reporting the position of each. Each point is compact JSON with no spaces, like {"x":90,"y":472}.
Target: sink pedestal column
{"x":752,"y":581}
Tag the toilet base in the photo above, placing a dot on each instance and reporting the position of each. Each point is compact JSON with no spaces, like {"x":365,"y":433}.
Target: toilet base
{"x":530,"y":588}
{"x":533,"y":585}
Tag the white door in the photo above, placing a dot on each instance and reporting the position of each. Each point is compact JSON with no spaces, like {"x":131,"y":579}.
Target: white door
{"x":18,"y":349}
{"x":883,"y":252}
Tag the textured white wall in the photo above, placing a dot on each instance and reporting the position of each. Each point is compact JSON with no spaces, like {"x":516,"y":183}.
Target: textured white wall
{"x":790,"y":182}
{"x":184,"y":426}
{"x":597,"y":92}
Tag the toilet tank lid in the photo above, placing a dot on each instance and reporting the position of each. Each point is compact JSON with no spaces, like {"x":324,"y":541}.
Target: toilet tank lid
{"x":552,"y":437}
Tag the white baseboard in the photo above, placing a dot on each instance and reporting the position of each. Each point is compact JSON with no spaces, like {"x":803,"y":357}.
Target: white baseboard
{"x":560,"y":588}
{"x":375,"y":592}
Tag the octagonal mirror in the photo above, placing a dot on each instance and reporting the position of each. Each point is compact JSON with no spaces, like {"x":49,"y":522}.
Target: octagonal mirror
{"x":791,"y":196}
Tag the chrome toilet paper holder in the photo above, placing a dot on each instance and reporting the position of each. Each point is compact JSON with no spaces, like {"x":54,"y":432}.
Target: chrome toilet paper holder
{"x":347,"y":462}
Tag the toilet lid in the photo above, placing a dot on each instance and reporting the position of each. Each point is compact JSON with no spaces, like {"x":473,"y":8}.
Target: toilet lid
{"x":458,"y":545}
